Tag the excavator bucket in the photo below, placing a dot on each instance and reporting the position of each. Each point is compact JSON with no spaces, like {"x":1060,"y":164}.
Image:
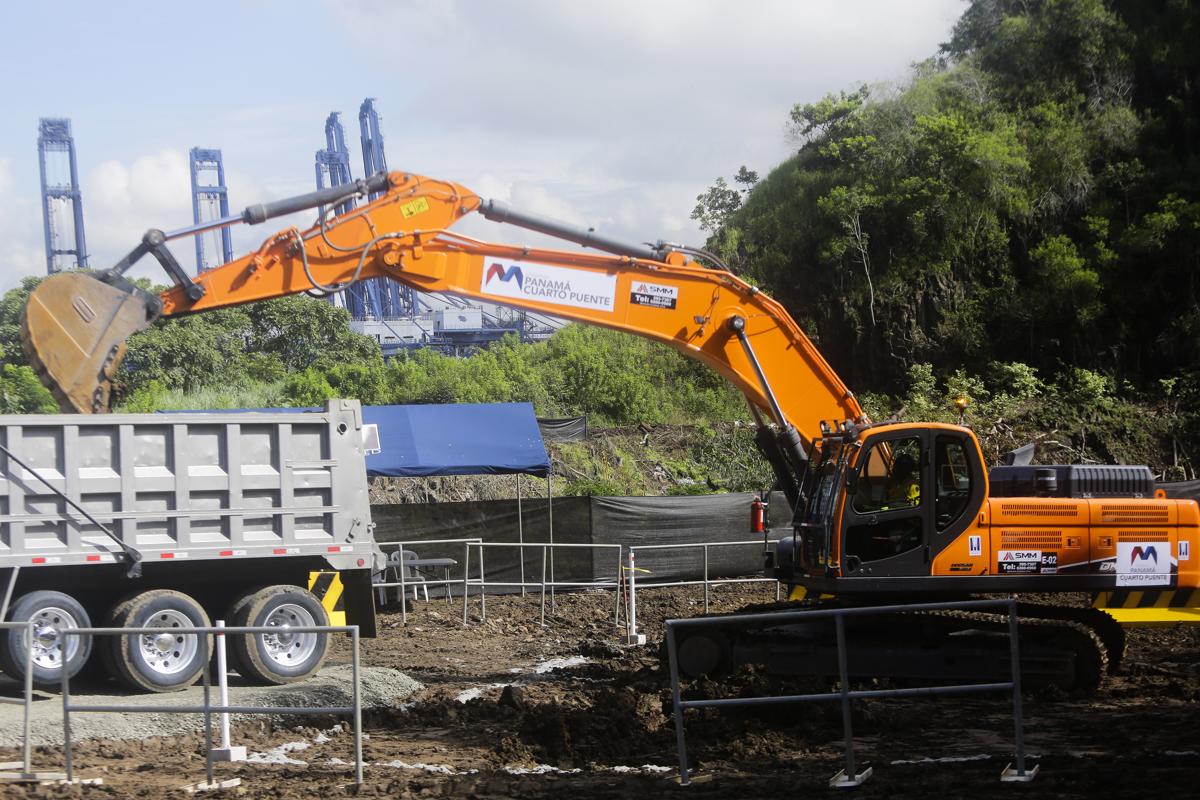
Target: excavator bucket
{"x":74,"y":330}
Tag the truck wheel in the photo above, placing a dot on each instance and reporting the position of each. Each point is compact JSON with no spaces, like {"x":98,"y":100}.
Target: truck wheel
{"x":283,"y":657}
{"x":157,"y":662}
{"x":51,"y":612}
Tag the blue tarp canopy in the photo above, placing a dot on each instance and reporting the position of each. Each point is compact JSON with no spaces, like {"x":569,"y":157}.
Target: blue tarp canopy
{"x":460,"y":439}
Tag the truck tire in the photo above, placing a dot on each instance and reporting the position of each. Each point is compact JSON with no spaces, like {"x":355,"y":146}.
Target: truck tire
{"x":51,"y":611}
{"x":276,"y":658}
{"x":233,"y":613}
{"x":157,"y":662}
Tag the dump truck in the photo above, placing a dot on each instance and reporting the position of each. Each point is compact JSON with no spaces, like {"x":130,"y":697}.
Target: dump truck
{"x":175,"y":520}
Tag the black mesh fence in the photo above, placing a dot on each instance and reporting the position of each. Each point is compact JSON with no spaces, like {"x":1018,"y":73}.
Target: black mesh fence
{"x":587,"y":520}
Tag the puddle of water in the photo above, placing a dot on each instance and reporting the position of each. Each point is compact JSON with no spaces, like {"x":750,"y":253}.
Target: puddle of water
{"x":559,"y":663}
{"x":278,"y":755}
{"x":942,"y":760}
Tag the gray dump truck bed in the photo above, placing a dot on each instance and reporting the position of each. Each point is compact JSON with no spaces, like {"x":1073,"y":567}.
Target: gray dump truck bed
{"x":223,"y":486}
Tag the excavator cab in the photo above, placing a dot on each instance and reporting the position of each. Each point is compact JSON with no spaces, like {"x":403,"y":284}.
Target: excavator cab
{"x":884,"y":502}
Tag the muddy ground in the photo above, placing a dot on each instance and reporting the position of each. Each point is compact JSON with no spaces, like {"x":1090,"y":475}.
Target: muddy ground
{"x":511,"y":709}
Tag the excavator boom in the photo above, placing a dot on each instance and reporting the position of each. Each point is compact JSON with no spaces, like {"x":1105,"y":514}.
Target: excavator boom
{"x":76,"y":324}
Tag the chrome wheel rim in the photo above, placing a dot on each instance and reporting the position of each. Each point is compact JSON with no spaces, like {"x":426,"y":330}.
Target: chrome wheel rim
{"x":48,"y":642}
{"x":168,"y":654}
{"x":285,"y":648}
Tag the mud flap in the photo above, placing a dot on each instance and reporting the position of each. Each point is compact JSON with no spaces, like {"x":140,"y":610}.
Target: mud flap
{"x":358,"y":597}
{"x":327,"y":587}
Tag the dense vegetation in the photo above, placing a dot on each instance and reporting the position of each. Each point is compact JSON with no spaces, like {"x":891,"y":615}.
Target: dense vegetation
{"x":1019,"y":222}
{"x":1030,"y":195}
{"x":297,"y":351}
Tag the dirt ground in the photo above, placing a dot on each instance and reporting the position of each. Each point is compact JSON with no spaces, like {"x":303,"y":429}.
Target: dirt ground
{"x":513,"y":710}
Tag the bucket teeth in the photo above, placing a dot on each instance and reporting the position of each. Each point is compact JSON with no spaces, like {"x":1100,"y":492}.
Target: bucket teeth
{"x":73,"y":331}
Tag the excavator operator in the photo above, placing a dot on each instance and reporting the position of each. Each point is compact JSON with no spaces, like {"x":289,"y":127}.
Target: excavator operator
{"x":904,"y":484}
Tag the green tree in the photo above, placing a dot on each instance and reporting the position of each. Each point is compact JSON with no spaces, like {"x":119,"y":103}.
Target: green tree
{"x":299,"y":330}
{"x":188,"y":352}
{"x":11,"y":306}
{"x":22,"y":393}
{"x":720,"y":200}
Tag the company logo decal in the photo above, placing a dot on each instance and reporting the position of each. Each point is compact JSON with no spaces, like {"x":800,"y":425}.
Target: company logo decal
{"x":497,"y":270}
{"x":654,"y":295}
{"x":1138,"y":564}
{"x":1145,"y":554}
{"x":1018,"y":562}
{"x":546,"y":285}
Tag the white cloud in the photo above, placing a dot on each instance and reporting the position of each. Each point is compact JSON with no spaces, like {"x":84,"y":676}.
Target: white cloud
{"x":619,"y":113}
{"x":20,"y":230}
{"x":612,"y":113}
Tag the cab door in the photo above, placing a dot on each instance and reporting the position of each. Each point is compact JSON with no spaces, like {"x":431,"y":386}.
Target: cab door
{"x":887,"y":517}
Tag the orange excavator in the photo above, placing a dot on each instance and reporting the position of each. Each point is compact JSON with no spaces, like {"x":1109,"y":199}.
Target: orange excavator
{"x":883,"y":512}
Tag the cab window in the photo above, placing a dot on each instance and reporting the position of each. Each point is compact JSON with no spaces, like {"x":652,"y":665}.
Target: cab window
{"x":890,"y":478}
{"x":953,"y":480}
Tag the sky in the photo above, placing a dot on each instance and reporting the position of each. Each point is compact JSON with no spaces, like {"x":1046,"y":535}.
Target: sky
{"x":611,"y":113}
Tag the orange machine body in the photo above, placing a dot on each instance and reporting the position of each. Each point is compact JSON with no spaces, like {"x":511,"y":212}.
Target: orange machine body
{"x":936,"y":540}
{"x":1134,"y":543}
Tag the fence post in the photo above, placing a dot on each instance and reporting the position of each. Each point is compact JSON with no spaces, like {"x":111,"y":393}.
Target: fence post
{"x":617,"y":589}
{"x":226,"y":752}
{"x":706,"y":579}
{"x":550,"y":523}
{"x":403,"y":588}
{"x":631,"y":632}
{"x":355,"y":666}
{"x":27,"y":745}
{"x":521,"y":535}
{"x":466,"y":577}
{"x":206,"y":673}
{"x":680,"y":745}
{"x":543,"y":585}
{"x":65,"y":690}
{"x":849,"y":777}
{"x":482,"y":586}
{"x":1020,"y":774}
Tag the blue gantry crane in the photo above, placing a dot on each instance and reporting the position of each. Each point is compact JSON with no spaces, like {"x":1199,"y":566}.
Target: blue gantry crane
{"x":210,"y":201}
{"x":386,"y":309}
{"x":62,"y":203}
{"x":333,"y":163}
{"x":377,"y":298}
{"x":397,"y":300}
{"x":333,"y":169}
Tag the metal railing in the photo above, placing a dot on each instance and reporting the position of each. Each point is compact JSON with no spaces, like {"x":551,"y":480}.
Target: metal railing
{"x":546,"y":585}
{"x":633,"y":584}
{"x":404,"y":582}
{"x":207,"y":708}
{"x":550,"y":584}
{"x":26,"y":698}
{"x":849,"y":776}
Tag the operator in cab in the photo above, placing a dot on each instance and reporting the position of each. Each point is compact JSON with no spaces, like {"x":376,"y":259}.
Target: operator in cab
{"x":904,"y":485}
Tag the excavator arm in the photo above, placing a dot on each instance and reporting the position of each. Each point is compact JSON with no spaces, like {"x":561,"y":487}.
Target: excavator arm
{"x":76,"y":324}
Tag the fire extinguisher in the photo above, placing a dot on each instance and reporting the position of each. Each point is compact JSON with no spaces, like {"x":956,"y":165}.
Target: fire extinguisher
{"x":758,"y":515}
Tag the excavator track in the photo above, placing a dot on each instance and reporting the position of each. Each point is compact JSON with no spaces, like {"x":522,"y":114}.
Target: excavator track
{"x":1060,"y":646}
{"x":1104,"y":627}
